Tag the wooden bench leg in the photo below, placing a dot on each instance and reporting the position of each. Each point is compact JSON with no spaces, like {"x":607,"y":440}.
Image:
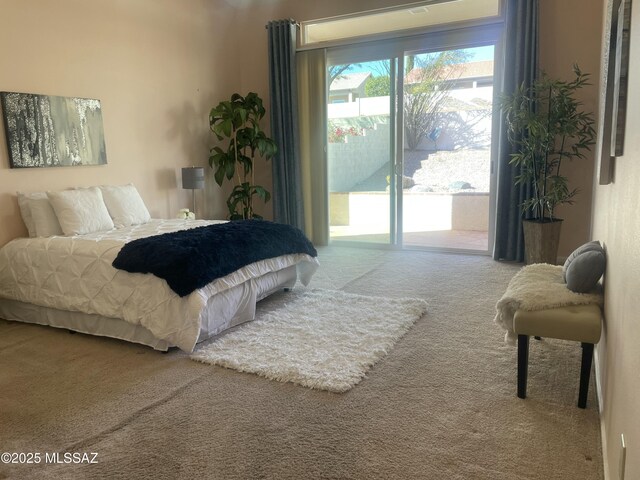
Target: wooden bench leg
{"x":585,"y":373}
{"x":523,"y":364}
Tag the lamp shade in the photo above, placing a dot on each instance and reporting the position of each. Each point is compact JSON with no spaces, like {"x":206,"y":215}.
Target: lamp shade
{"x":193,"y":178}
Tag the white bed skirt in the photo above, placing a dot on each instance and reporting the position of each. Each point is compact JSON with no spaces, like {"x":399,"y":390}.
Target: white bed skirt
{"x":223,"y":310}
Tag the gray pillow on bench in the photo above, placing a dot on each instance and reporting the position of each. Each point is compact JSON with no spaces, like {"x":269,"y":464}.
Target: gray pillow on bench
{"x":584,"y":267}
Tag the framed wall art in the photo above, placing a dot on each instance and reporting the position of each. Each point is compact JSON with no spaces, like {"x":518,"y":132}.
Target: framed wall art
{"x":620,"y":77}
{"x":613,"y":88}
{"x":52,"y":131}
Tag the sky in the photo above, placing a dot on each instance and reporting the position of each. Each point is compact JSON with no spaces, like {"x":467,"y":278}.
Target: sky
{"x":478,"y":54}
{"x":482,"y":53}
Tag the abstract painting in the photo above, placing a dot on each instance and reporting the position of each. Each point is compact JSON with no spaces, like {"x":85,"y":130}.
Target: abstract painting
{"x":613,"y":88}
{"x":51,"y":131}
{"x":621,"y":74}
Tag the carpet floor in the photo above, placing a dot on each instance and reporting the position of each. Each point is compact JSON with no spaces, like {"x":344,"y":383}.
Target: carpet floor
{"x":441,"y":404}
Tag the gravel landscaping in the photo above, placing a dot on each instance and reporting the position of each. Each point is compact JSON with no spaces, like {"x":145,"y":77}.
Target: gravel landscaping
{"x":464,"y":170}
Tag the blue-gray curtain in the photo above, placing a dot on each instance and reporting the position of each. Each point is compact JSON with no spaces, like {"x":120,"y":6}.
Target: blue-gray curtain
{"x":520,"y":65}
{"x":287,"y":183}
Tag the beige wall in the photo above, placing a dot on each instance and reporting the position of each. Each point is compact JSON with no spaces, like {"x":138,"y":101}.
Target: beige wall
{"x":562,"y":45}
{"x":156,"y":65}
{"x":616,"y":223}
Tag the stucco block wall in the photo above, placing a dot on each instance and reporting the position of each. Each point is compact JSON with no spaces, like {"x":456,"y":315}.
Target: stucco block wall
{"x":358,"y":157}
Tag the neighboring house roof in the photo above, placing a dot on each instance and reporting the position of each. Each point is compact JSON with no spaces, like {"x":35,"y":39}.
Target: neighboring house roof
{"x":459,"y":71}
{"x":476,"y":69}
{"x":349,"y":81}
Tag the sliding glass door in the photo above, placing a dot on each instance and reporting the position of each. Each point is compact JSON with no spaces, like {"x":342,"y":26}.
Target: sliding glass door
{"x":447,"y":119}
{"x":360,"y":151}
{"x":409,"y":142}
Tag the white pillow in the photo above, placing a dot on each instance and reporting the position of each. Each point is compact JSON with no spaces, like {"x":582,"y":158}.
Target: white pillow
{"x":125,"y":205}
{"x":81,"y":211}
{"x":25,"y":211}
{"x":44,"y":218}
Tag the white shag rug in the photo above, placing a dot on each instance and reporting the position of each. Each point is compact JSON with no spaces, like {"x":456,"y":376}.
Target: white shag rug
{"x":322,"y":339}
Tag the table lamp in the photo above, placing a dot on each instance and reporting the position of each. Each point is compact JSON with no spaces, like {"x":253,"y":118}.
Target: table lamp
{"x":193,"y":179}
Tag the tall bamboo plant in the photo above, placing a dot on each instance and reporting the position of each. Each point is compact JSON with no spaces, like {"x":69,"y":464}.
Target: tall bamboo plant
{"x":236,"y":123}
{"x":547,"y":125}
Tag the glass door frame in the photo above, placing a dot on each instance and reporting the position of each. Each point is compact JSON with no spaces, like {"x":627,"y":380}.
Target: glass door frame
{"x":344,"y":56}
{"x":395,"y":50}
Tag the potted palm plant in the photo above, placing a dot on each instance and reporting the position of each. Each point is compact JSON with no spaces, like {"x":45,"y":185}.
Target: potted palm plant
{"x":236,"y":123}
{"x":547,"y":126}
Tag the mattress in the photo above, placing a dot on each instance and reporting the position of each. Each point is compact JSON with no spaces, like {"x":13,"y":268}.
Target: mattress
{"x":228,"y":309}
{"x":74,"y":274}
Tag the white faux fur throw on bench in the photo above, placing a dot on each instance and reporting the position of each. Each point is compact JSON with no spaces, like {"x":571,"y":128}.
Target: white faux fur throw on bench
{"x":538,"y":287}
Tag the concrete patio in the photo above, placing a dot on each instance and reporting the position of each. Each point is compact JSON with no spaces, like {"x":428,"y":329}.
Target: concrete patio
{"x":430,"y":220}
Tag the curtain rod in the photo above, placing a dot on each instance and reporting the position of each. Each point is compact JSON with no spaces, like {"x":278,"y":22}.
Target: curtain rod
{"x":290,"y":20}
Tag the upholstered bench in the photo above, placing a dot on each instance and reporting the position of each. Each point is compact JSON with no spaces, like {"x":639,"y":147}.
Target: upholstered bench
{"x":563,"y":302}
{"x":580,"y":323}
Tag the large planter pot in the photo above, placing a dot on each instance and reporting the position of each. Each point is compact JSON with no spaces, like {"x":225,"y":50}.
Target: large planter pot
{"x":541,"y":241}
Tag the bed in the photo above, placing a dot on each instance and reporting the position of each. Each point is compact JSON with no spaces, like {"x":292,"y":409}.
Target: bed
{"x":68,"y":281}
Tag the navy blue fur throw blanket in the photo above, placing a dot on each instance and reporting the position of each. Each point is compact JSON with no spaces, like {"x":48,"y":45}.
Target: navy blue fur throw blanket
{"x":190,"y":259}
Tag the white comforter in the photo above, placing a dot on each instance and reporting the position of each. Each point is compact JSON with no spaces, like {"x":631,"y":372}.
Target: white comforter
{"x":75,"y":274}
